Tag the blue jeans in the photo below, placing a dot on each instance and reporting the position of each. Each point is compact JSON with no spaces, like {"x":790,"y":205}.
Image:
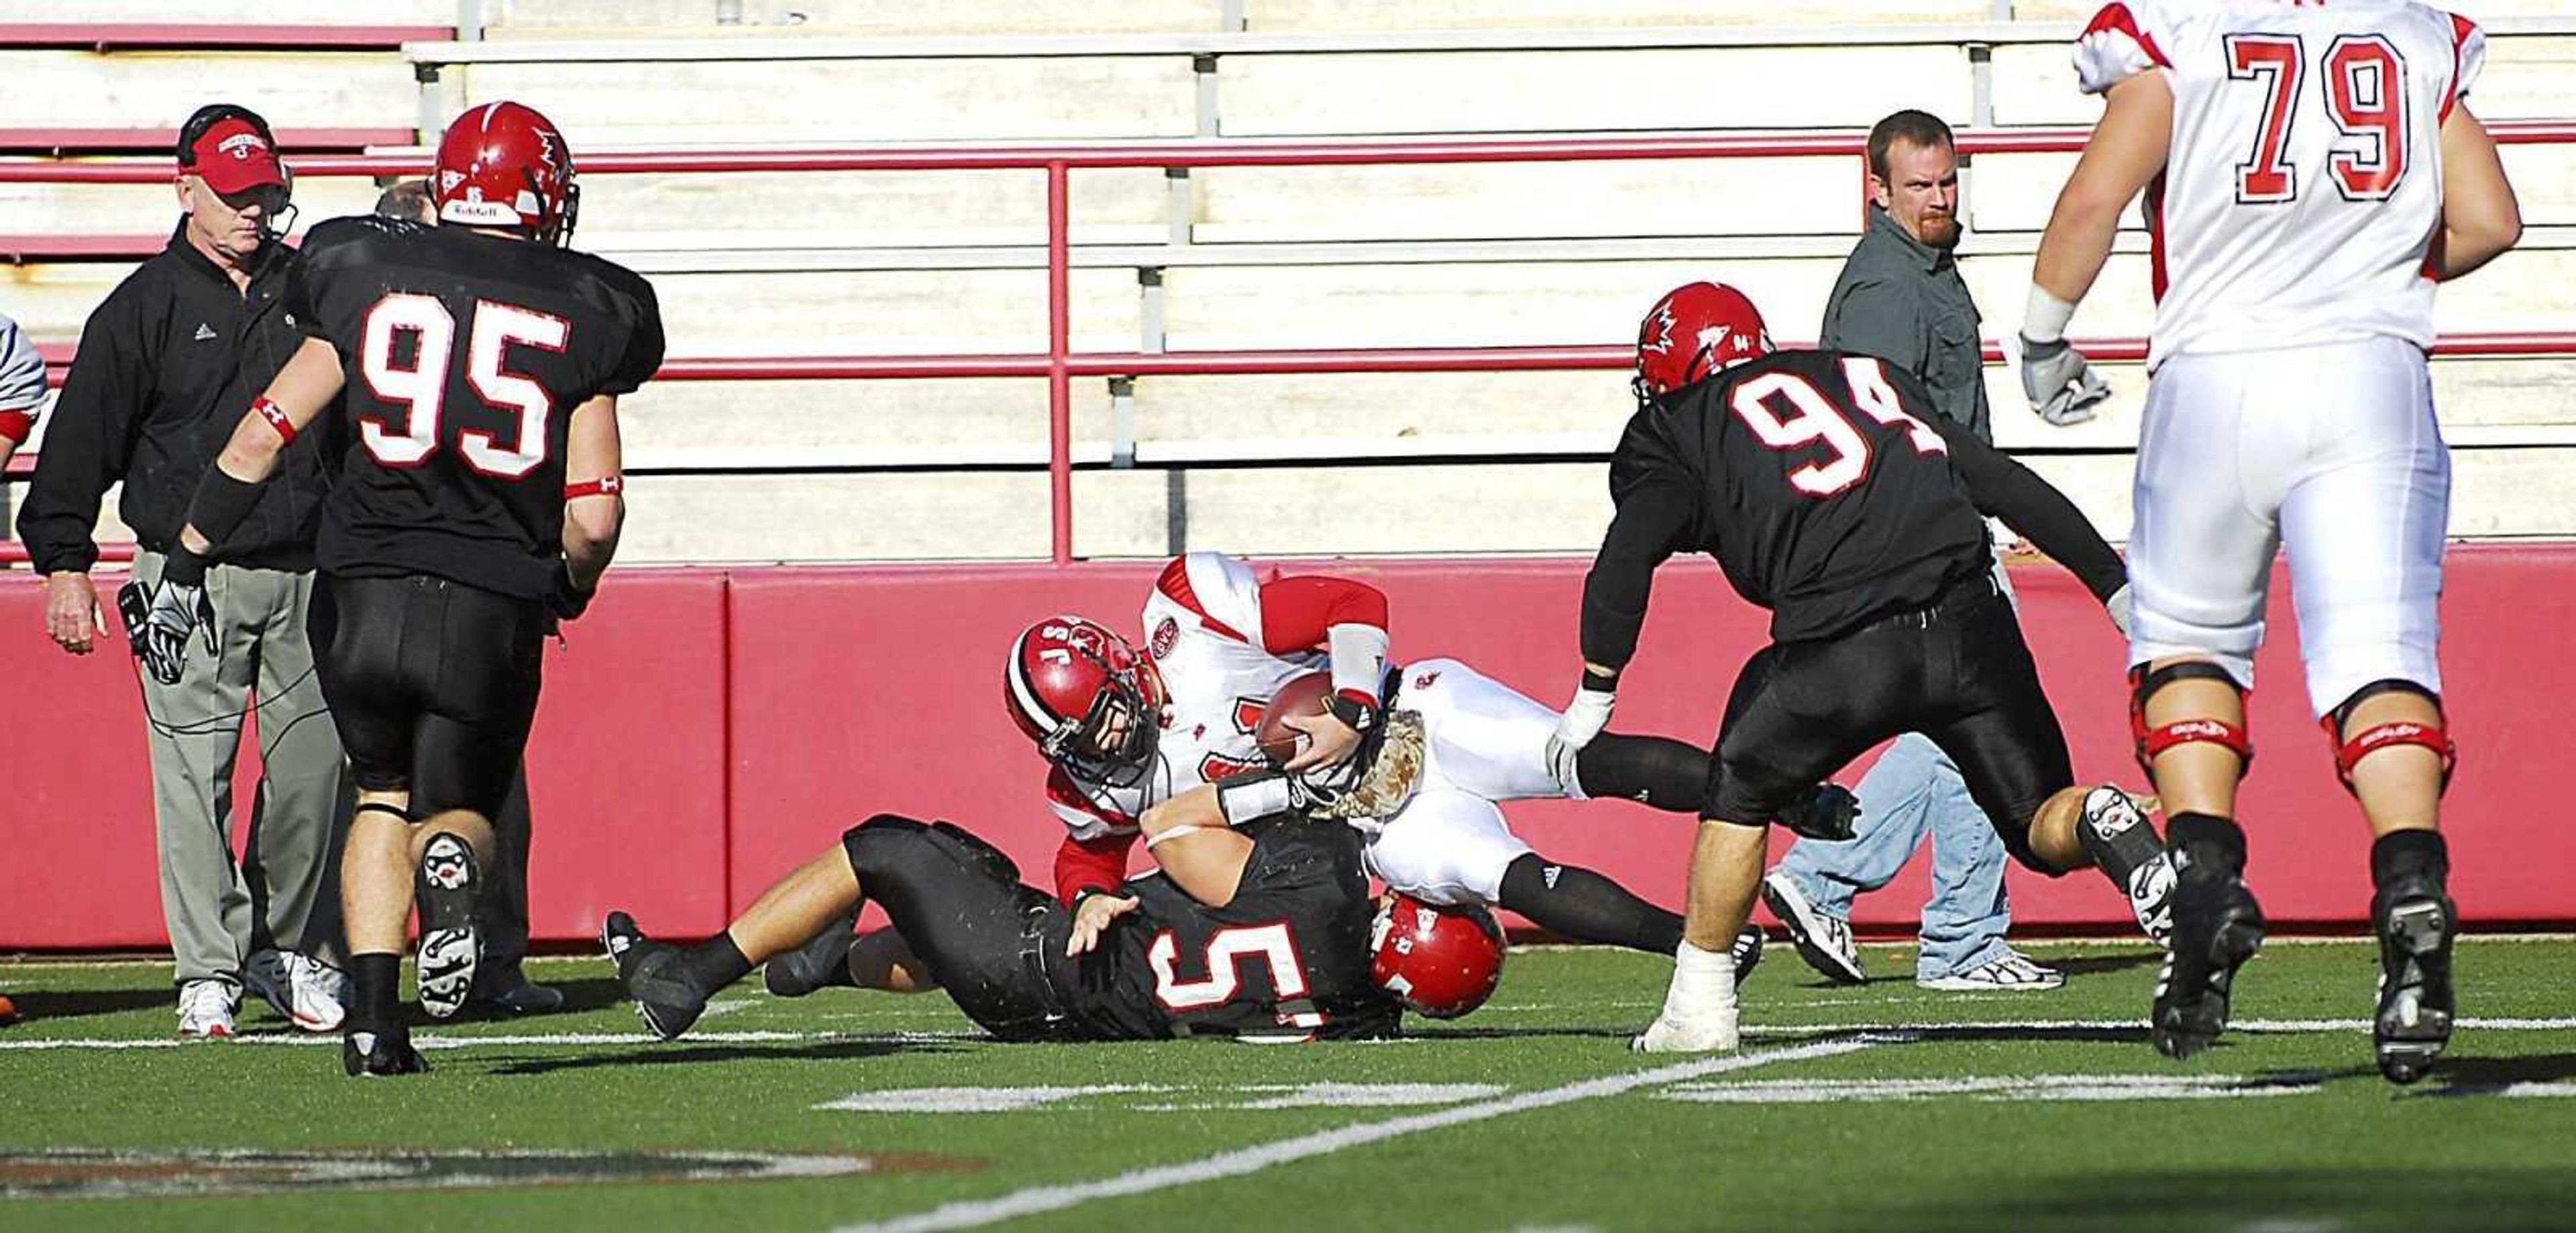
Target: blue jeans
{"x":1913,"y":789}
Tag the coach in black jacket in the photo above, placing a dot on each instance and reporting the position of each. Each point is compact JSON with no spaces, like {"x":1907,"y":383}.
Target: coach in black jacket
{"x":166,"y":367}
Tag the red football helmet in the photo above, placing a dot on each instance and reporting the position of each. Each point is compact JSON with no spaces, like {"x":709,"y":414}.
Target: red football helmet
{"x":1695,"y":330}
{"x":504,"y":165}
{"x":1070,"y":682}
{"x":1441,"y":962}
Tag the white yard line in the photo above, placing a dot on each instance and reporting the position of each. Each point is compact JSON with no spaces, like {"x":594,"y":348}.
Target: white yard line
{"x":1038,"y":1200}
{"x":13,"y":1041}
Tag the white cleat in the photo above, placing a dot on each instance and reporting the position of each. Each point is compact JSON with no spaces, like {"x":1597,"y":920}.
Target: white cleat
{"x":1704,"y":1033}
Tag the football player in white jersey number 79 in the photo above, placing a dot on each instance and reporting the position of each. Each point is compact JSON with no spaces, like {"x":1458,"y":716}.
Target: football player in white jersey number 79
{"x":2311,"y":171}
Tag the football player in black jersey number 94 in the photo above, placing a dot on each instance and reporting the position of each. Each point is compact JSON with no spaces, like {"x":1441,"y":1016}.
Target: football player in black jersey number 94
{"x":1831,"y":494}
{"x":478,"y":363}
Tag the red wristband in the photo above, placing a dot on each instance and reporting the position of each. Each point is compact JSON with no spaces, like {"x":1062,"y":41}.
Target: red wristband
{"x":604,"y":486}
{"x":276,"y":418}
{"x":17,"y":426}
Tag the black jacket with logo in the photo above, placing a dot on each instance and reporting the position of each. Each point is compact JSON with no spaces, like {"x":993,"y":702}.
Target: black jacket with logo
{"x":167,"y":365}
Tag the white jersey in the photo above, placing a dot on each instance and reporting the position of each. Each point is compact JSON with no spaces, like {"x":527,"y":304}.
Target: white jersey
{"x":2303,"y":184}
{"x":1203,"y":635}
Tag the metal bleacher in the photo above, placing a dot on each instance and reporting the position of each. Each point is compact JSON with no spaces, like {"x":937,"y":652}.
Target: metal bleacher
{"x":858,"y":307}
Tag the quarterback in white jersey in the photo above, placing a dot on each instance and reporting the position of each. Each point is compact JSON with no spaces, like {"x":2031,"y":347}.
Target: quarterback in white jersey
{"x":2311,"y":171}
{"x":1219,"y":643}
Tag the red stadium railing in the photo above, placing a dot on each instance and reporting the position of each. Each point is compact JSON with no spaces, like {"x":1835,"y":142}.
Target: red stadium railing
{"x":1059,"y":364}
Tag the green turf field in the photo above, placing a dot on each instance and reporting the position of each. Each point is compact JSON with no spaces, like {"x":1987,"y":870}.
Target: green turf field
{"x":1877,"y":1107}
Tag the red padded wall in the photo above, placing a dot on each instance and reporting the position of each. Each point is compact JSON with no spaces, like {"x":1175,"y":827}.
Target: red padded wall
{"x":705,"y":730}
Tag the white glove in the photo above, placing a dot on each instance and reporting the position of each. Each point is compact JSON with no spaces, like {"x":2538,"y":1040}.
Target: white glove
{"x":1587,"y":714}
{"x":2060,"y":383}
{"x":2123,"y":609}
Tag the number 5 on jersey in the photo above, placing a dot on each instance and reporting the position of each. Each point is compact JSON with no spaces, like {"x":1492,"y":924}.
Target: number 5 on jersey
{"x":421,"y":384}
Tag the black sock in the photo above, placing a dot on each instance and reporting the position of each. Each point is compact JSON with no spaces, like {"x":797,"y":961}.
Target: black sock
{"x":2403,"y":855}
{"x":1580,"y":904}
{"x":1657,"y":770}
{"x":2213,"y":847}
{"x":373,"y":1003}
{"x":713,"y":964}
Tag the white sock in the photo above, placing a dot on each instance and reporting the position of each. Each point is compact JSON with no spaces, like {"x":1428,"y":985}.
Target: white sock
{"x":1703,"y":982}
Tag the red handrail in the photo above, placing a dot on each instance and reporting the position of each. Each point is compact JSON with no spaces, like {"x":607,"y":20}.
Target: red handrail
{"x":1060,"y":364}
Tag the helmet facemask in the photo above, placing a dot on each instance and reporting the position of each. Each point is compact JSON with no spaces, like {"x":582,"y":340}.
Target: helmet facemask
{"x":1113,"y":743}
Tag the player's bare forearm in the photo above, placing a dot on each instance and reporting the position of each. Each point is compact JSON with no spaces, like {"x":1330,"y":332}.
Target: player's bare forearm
{"x":2480,"y":216}
{"x":2126,"y":151}
{"x":298,"y":394}
{"x":595,"y":504}
{"x":1195,"y":848}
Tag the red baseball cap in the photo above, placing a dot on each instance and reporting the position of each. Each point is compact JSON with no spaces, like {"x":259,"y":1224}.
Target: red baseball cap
{"x":233,"y":156}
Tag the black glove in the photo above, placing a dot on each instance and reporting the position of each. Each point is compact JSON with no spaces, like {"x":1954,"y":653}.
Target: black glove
{"x":1826,"y":814}
{"x":565,"y":599}
{"x":178,"y":610}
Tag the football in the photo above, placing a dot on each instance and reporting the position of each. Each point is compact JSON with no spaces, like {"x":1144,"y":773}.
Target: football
{"x":1303,"y":695}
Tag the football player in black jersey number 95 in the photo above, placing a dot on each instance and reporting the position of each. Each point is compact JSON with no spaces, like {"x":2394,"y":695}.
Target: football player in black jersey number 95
{"x":1832,"y":494}
{"x":479,"y":363}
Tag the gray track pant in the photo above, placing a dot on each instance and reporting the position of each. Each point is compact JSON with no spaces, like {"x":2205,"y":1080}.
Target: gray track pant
{"x":284,"y":892}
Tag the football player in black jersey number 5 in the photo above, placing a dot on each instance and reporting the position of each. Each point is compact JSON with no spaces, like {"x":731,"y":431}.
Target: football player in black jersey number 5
{"x":478,"y":363}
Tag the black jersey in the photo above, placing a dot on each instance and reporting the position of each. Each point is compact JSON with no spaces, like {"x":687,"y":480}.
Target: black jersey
{"x":465,"y":356}
{"x":1828,"y":490}
{"x":1288,"y":958}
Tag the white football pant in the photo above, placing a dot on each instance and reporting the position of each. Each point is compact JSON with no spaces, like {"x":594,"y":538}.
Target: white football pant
{"x":2332,"y":450}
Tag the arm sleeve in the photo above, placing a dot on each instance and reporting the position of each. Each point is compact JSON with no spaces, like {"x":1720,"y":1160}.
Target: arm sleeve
{"x":1874,"y":318}
{"x":2028,"y":504}
{"x":1647,"y":529}
{"x":642,"y":356}
{"x":2468,"y":59}
{"x":86,"y":446}
{"x":2115,"y":47}
{"x":22,"y":382}
{"x":1091,"y":864}
{"x":1336,"y":615}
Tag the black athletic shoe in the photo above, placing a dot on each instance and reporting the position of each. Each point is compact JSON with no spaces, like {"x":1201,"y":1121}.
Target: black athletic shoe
{"x":821,"y":962}
{"x":1748,"y":952}
{"x":666,"y":1002}
{"x":450,"y":949}
{"x":381,"y":1053}
{"x":2414,"y":921}
{"x":2217,"y":926}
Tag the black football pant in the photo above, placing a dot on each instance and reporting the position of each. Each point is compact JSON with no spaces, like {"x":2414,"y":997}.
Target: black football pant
{"x":433,"y":685}
{"x":1956,"y":671}
{"x":995,"y":946}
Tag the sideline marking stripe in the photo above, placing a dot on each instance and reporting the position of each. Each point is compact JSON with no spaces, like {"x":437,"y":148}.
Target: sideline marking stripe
{"x":1929,"y":1029}
{"x":1038,"y":1200}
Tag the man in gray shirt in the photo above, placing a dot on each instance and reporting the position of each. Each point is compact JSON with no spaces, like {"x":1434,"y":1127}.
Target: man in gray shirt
{"x":1900,"y":298}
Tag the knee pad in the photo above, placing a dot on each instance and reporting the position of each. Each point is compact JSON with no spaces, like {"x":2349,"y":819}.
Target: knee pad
{"x":2349,"y":751}
{"x":2143,"y":685}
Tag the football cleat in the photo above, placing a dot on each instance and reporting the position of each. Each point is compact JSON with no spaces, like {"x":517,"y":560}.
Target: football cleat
{"x":381,"y":1053}
{"x":1747,"y":951}
{"x":450,"y":948}
{"x":663,"y":998}
{"x":1823,"y":940}
{"x":822,"y":961}
{"x":2117,"y":835}
{"x":2415,"y":922}
{"x":1713,"y":1031}
{"x":2217,"y":927}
